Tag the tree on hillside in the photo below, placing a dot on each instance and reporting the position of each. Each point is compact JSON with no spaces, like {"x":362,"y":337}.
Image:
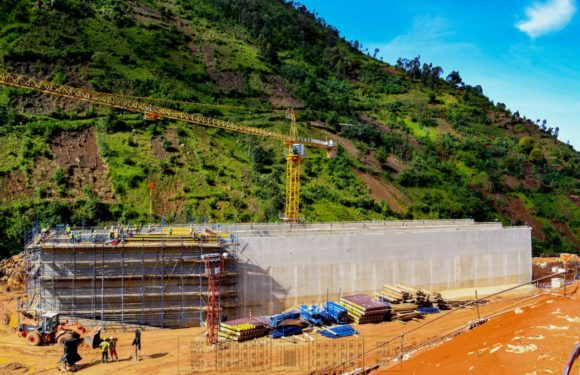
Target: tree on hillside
{"x":454,"y":79}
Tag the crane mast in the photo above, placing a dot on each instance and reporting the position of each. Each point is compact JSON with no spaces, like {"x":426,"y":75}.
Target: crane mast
{"x":295,"y":143}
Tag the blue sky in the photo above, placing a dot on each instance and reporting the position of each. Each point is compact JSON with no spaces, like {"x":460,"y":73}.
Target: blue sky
{"x":523,"y":53}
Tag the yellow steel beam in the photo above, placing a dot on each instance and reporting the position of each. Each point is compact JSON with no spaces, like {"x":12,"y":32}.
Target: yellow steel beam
{"x":120,"y":102}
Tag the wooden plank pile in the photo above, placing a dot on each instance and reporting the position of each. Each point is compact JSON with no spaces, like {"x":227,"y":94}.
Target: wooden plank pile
{"x":363,"y":309}
{"x":404,"y":311}
{"x":392,"y":294}
{"x":243,"y":329}
{"x":405,"y":300}
{"x":406,"y":294}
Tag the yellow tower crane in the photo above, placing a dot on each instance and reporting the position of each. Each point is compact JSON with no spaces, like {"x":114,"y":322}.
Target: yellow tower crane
{"x":295,"y":143}
{"x":293,"y":165}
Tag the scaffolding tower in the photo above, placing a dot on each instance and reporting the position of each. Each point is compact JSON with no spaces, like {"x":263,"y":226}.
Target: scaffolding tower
{"x":214,"y":266}
{"x":155,"y":278}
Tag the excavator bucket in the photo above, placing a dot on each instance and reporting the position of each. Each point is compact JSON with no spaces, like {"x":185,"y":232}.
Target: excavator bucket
{"x":93,"y":338}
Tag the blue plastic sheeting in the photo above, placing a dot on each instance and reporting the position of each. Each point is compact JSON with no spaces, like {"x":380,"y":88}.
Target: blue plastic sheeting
{"x":286,"y":331}
{"x":428,"y":310}
{"x":338,"y":331}
{"x":276,"y":319}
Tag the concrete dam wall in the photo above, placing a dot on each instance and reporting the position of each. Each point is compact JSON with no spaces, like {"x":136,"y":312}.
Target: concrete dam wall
{"x":156,"y":277}
{"x":282,"y":266}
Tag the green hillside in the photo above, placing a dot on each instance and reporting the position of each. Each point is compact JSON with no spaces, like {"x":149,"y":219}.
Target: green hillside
{"x":415,"y":142}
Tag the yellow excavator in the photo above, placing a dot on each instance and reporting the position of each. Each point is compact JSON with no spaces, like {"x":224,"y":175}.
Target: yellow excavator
{"x":49,"y":330}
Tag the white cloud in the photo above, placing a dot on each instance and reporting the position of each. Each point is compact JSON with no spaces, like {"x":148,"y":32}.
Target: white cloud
{"x":546,"y":17}
{"x":431,"y":37}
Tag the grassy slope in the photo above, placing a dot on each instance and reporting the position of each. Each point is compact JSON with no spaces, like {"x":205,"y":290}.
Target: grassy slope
{"x":456,"y":156}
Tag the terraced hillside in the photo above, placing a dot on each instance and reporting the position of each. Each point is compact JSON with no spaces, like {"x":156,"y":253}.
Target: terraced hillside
{"x":415,"y":142}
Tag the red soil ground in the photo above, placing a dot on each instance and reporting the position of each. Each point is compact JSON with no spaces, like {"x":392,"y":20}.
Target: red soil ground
{"x":544,"y":332}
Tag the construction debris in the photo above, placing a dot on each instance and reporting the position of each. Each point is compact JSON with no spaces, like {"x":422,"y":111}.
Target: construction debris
{"x":363,"y":309}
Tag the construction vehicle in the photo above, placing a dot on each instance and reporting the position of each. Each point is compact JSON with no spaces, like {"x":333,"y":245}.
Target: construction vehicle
{"x":295,"y":143}
{"x":50,"y":330}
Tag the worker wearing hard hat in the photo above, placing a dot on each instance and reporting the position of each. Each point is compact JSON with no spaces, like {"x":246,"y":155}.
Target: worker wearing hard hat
{"x":113,"y":348}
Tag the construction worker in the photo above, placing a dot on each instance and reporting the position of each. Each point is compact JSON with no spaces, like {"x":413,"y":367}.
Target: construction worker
{"x":113,"y":348}
{"x":45,"y":232}
{"x":136,"y":344}
{"x":170,"y":230}
{"x":78,"y":239}
{"x":68,"y":230}
{"x":104,"y":345}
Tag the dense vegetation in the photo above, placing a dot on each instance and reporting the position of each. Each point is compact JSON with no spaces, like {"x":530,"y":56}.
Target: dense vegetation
{"x":438,"y":147}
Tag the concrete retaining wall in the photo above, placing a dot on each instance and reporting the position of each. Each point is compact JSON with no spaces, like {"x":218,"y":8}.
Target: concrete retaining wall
{"x":280,"y":268}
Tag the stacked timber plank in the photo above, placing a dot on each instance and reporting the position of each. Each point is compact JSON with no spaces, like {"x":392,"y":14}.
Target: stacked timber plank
{"x":363,"y":309}
{"x":405,"y":294}
{"x":393,"y":294}
{"x":243,"y":329}
{"x":405,"y":301}
{"x":440,"y":302}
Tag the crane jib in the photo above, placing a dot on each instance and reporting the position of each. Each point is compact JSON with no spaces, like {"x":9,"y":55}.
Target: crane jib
{"x":120,"y":102}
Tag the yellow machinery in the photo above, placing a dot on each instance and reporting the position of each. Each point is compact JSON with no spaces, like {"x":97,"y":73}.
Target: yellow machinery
{"x":295,"y":143}
{"x":293,"y":163}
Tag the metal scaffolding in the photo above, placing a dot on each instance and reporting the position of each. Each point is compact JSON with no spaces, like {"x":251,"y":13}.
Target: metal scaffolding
{"x":154,"y":278}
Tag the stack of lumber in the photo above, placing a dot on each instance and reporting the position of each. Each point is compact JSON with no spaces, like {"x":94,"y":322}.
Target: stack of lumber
{"x":403,"y":308}
{"x":440,"y":302}
{"x":392,"y":294}
{"x":363,"y":309}
{"x":405,"y":311}
{"x":405,"y":294}
{"x":243,"y":329}
{"x":408,"y":316}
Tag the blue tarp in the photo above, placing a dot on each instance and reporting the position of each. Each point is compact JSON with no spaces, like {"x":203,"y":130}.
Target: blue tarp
{"x":428,"y":310}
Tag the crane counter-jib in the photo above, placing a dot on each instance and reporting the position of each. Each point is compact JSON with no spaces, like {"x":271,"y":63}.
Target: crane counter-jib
{"x":120,"y":102}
